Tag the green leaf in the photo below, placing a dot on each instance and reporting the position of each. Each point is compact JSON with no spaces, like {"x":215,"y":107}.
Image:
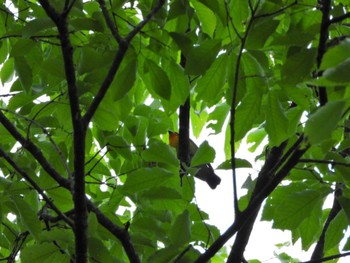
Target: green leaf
{"x":240,"y":163}
{"x":180,"y":232}
{"x":64,"y":237}
{"x":43,"y":253}
{"x":99,"y":252}
{"x":37,"y":25}
{"x":183,"y":42}
{"x":335,"y":233}
{"x":27,"y":216}
{"x":322,"y":123}
{"x":276,"y":120}
{"x":217,"y":117}
{"x":7,"y":71}
{"x":61,"y":197}
{"x":218,"y":8}
{"x":210,"y":87}
{"x":204,"y":154}
{"x":91,"y":60}
{"x":289,"y":206}
{"x":179,"y":83}
{"x":338,"y":74}
{"x":157,"y":80}
{"x":146,"y":178}
{"x":86,"y":24}
{"x":24,"y":72}
{"x":336,"y":55}
{"x":54,"y":66}
{"x":162,"y":193}
{"x":200,"y":232}
{"x":206,"y":17}
{"x":22,"y":47}
{"x":124,"y":79}
{"x":298,"y":66}
{"x":345,"y":204}
{"x":200,"y":57}
{"x":166,"y":254}
{"x":110,"y":112}
{"x":255,"y":137}
{"x":294,"y":115}
{"x":120,"y":145}
{"x":310,"y":229}
{"x":241,"y":11}
{"x":247,"y":112}
{"x":261,"y":30}
{"x":160,"y":152}
{"x":347,"y":245}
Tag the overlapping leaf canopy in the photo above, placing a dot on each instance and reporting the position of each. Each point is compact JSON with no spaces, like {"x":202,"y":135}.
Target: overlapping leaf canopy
{"x":263,"y":64}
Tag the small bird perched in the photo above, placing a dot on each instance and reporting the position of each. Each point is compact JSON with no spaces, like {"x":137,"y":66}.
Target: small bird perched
{"x":205,"y":172}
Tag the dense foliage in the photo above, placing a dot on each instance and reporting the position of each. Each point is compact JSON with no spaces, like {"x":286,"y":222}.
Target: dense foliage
{"x":94,"y":88}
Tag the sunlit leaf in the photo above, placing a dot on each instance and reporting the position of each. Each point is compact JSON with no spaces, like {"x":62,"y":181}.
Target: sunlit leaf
{"x":204,"y":154}
{"x":200,"y":58}
{"x":276,"y":120}
{"x":146,"y":178}
{"x":206,"y":16}
{"x":157,"y":80}
{"x":180,"y":232}
{"x":160,"y":152}
{"x":24,"y":72}
{"x":325,"y":119}
{"x":124,"y":79}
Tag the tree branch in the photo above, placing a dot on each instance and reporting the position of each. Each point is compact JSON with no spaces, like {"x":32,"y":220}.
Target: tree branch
{"x":184,"y":125}
{"x":253,"y":205}
{"x":322,"y":45}
{"x":68,"y":7}
{"x":233,"y":109}
{"x":339,"y":18}
{"x":50,"y":10}
{"x":123,"y":47}
{"x":121,"y":234}
{"x":138,"y":28}
{"x":281,"y":10}
{"x":112,"y":27}
{"x":327,"y":258}
{"x":336,"y":208}
{"x":324,"y":161}
{"x":47,"y":133}
{"x":79,"y":131}
{"x":35,"y":152}
{"x":102,"y":219}
{"x":36,"y":187}
{"x":271,"y":165}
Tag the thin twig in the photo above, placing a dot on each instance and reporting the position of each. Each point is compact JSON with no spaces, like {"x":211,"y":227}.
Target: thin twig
{"x":112,"y":26}
{"x":327,"y":258}
{"x":229,"y":19}
{"x":233,"y":109}
{"x":138,"y":28}
{"x":339,"y":18}
{"x":277,"y":12}
{"x":47,"y":133}
{"x":35,"y":151}
{"x":123,"y":47}
{"x":95,"y":164}
{"x":324,"y":162}
{"x":102,"y":219}
{"x":35,"y":186}
{"x":67,"y":7}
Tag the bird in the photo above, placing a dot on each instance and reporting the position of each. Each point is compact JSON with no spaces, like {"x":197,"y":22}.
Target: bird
{"x":205,"y":172}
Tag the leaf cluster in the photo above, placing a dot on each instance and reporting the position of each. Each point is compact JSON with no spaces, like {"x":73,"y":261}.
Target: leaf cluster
{"x":94,"y":87}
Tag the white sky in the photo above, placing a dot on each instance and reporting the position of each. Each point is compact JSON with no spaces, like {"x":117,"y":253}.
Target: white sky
{"x":218,"y":204}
